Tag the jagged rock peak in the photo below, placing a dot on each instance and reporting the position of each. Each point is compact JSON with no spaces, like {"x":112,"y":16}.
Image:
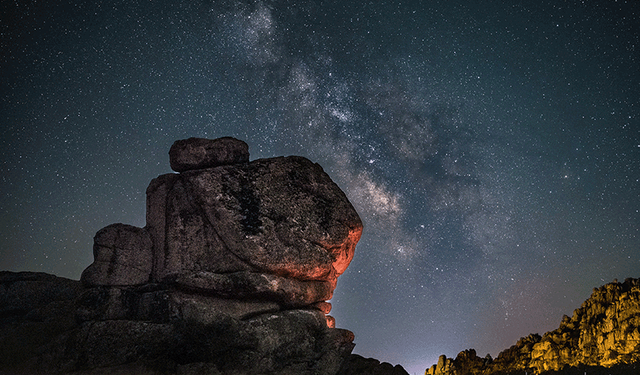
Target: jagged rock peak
{"x":603,"y":333}
{"x":200,"y":153}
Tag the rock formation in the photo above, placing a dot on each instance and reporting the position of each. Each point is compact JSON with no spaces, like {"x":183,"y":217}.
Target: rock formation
{"x":603,"y":335}
{"x":230,"y":275}
{"x":444,"y":366}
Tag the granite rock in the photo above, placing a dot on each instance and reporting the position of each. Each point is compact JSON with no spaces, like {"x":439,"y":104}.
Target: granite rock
{"x":122,"y":256}
{"x":251,"y":285}
{"x":282,"y":216}
{"x":230,"y":275}
{"x":602,"y":336}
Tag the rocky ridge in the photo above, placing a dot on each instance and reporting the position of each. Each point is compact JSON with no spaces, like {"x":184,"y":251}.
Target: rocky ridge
{"x":602,"y":336}
{"x":230,"y":275}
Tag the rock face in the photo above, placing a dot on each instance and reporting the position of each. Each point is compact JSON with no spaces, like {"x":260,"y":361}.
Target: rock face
{"x":281,"y":216}
{"x":604,"y":331}
{"x":230,"y":275}
{"x":122,"y":256}
{"x":602,"y":336}
{"x":444,"y":366}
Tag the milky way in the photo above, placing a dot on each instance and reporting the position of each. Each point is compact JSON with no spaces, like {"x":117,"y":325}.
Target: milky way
{"x":492,"y":150}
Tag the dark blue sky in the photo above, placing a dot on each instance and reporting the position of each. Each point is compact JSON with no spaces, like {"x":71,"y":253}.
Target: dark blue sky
{"x":492,"y":149}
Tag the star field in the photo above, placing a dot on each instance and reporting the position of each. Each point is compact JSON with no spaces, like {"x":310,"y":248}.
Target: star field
{"x":492,"y":149}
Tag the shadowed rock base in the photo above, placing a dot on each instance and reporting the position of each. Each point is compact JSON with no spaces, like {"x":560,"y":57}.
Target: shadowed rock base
{"x":52,"y":325}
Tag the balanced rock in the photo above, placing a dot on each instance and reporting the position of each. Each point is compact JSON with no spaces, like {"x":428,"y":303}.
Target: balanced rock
{"x":278,"y":229}
{"x":230,"y":275}
{"x":200,"y":153}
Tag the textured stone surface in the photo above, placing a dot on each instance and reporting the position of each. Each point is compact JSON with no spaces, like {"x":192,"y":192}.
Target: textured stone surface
{"x":443,"y":367}
{"x":201,"y":153}
{"x":154,"y":330}
{"x":250,"y":285}
{"x":282,"y":216}
{"x":604,"y":331}
{"x":122,"y":256}
{"x":286,"y":342}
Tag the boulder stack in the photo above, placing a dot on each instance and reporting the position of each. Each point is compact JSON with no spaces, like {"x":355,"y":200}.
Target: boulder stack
{"x":272,"y":230}
{"x":230,"y":275}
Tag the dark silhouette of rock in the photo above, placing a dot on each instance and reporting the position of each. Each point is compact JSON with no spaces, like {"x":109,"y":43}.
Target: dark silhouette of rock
{"x":358,"y":365}
{"x":201,"y":153}
{"x":443,"y":367}
{"x":602,"y":337}
{"x":35,"y":309}
{"x":230,"y":275}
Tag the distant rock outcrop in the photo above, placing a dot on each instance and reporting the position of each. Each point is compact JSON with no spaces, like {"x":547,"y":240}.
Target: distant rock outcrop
{"x":231,"y":275}
{"x":602,"y":335}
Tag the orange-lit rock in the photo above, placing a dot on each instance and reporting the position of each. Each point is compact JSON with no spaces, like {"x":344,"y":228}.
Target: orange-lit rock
{"x":224,"y":215}
{"x":282,"y":216}
{"x":443,"y":367}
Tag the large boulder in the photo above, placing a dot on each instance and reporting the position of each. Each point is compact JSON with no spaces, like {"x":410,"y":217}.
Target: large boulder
{"x":274,"y":229}
{"x":282,"y":216}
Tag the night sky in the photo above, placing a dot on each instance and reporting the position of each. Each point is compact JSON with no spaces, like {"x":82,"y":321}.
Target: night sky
{"x":491,"y":148}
